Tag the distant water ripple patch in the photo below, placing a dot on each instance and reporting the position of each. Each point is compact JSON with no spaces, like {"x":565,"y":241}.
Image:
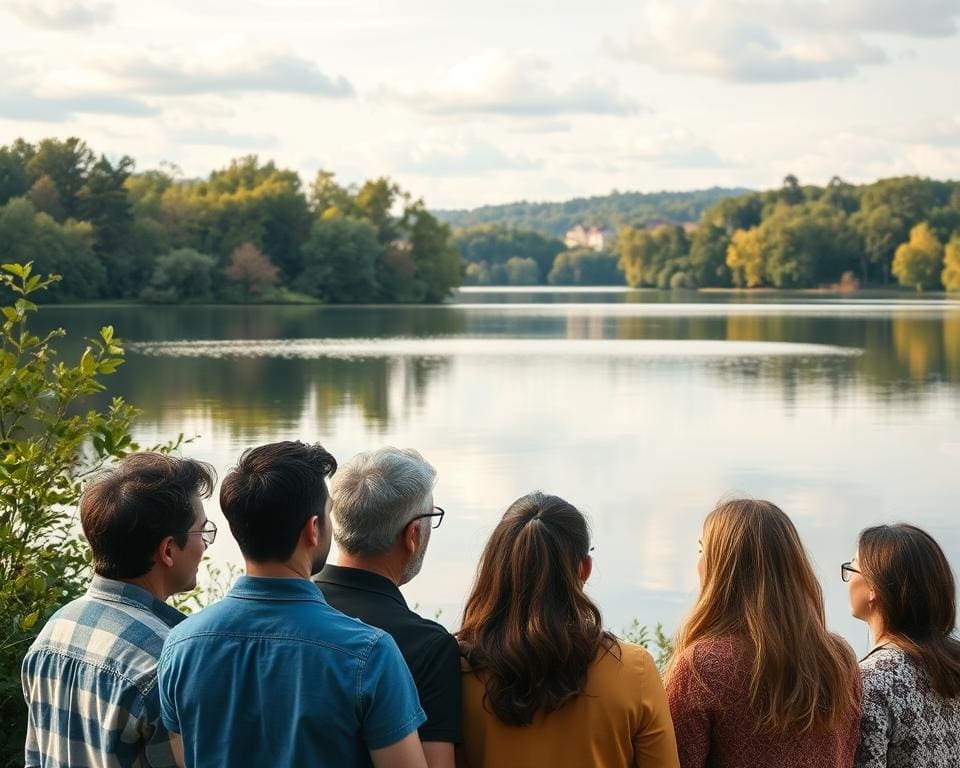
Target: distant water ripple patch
{"x":456,"y":347}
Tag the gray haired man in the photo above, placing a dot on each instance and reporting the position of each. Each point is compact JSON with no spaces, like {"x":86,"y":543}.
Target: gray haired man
{"x":383,"y":514}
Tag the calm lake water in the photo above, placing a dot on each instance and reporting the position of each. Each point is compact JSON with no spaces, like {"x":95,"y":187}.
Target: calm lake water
{"x":641,"y":408}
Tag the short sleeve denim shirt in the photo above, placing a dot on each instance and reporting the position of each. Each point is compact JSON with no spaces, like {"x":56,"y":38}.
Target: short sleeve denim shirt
{"x":272,"y":675}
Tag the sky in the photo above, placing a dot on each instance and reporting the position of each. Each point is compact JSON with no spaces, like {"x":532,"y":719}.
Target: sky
{"x":468,"y":104}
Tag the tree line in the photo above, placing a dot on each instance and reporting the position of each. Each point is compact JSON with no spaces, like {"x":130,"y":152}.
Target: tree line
{"x":605,"y":211}
{"x":905,"y":229}
{"x":247,"y":232}
{"x":495,"y":254}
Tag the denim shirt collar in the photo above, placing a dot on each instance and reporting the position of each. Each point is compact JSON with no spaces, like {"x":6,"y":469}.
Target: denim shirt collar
{"x":116,"y":591}
{"x":269,"y":588}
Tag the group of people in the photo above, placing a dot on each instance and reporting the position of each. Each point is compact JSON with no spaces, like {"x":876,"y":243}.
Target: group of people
{"x":309,"y":663}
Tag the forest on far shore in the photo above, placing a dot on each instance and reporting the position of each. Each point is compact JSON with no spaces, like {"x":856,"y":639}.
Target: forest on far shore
{"x":256,"y":232}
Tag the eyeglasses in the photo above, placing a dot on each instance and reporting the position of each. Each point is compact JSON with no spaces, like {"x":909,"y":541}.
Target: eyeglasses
{"x":438,"y":514}
{"x":208,"y":533}
{"x":847,"y":570}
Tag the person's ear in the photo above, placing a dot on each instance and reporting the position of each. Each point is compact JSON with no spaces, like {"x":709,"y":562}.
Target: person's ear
{"x":311,"y":531}
{"x":411,"y":536}
{"x":164,"y":553}
{"x":586,"y":568}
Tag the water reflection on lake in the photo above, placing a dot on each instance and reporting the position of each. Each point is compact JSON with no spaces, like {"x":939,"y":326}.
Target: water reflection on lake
{"x":642,"y":411}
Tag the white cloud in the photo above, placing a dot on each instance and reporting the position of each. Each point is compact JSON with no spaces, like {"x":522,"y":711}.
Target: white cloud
{"x":205,"y":135}
{"x":62,"y":14}
{"x":513,"y":84}
{"x":917,"y":18}
{"x":939,"y":133}
{"x":734,"y":41}
{"x":238,"y":71}
{"x":23,"y":98}
{"x":460,"y":154}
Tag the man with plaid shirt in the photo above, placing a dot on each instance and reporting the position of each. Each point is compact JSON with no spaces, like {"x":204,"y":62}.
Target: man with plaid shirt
{"x":89,"y":679}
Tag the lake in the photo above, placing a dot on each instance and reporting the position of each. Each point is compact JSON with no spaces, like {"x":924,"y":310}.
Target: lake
{"x":642,"y":408}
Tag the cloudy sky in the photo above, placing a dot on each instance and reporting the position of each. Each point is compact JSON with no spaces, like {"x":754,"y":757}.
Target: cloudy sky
{"x":472,"y":103}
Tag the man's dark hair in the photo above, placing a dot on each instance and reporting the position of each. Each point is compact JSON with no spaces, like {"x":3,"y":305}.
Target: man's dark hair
{"x":271,"y":493}
{"x":128,"y":509}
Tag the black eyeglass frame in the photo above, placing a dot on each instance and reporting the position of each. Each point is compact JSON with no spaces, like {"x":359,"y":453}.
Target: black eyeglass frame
{"x":846,"y":571}
{"x":208,"y":533}
{"x":439,"y":515}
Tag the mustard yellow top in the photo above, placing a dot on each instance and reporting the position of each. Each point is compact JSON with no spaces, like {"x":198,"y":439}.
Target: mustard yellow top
{"x":621,"y":719}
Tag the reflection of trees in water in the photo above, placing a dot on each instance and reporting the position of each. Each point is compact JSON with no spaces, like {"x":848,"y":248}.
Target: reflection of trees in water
{"x":902,"y":352}
{"x":252,"y":395}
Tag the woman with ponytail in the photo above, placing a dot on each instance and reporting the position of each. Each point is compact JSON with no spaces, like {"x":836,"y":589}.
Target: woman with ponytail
{"x":756,"y":679}
{"x":902,"y":587}
{"x":543,"y":683}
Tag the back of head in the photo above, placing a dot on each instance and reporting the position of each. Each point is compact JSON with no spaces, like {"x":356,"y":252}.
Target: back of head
{"x":916,"y":597}
{"x":272,"y":493}
{"x":527,"y":624}
{"x":759,"y":586}
{"x":129,"y":509}
{"x":376,"y":494}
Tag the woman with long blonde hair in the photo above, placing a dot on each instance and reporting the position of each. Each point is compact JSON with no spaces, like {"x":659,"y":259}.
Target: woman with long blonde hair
{"x":756,"y":679}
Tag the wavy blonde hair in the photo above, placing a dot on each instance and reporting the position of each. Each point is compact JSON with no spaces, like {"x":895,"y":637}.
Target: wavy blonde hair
{"x":759,"y":587}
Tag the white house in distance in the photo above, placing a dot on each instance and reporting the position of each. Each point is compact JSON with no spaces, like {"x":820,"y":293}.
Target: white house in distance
{"x":594,"y":237}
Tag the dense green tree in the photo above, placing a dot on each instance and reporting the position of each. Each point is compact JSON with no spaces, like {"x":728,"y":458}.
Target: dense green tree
{"x":881,"y":231}
{"x":585,"y":266}
{"x":496,"y":244}
{"x":67,"y":162}
{"x":66,"y":249}
{"x":438,"y":266}
{"x":650,"y":256}
{"x":13,"y":175}
{"x":183,"y":275}
{"x":104,"y":201}
{"x":340,"y":259}
{"x":521,"y":271}
{"x":950,"y":277}
{"x":808,"y":244}
{"x":708,"y":255}
{"x":917,"y":263}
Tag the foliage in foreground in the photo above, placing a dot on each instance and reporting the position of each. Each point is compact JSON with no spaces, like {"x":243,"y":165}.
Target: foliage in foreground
{"x":49,"y":444}
{"x":657,"y":642}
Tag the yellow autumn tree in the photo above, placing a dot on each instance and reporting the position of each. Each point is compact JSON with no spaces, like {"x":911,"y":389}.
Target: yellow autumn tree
{"x":951,"y":264}
{"x":917,"y":263}
{"x":745,"y":257}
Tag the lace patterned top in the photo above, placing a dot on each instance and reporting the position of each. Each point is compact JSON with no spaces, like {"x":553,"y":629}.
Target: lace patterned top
{"x":905,"y":723}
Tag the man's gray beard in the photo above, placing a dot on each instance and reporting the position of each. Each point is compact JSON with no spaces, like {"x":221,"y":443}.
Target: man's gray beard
{"x":413,"y":567}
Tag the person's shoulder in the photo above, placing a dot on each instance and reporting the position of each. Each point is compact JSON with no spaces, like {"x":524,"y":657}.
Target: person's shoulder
{"x":883,"y":665}
{"x":718,"y":658}
{"x":628,"y":659}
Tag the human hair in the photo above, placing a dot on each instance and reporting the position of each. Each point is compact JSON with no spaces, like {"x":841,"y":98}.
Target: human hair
{"x":528,"y":624}
{"x":376,"y":494}
{"x":272,"y":493}
{"x":916,"y":597}
{"x":129,"y":508}
{"x":759,"y":587}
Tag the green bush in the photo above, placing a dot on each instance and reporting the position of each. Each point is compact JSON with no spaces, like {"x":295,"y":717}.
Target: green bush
{"x":49,"y":445}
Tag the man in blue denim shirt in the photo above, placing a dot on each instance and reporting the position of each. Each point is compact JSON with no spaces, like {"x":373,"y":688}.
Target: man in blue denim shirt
{"x":90,"y":677}
{"x":272,"y":675}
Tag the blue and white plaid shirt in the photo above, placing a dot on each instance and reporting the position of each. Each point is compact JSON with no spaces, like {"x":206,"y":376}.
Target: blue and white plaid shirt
{"x":90,"y":681}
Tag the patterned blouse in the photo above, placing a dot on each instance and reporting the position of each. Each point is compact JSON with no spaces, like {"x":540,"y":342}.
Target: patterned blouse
{"x":905,"y":723}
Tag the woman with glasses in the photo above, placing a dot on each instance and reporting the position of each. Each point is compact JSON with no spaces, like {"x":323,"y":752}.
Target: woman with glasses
{"x":901,"y":585}
{"x":543,"y":683}
{"x":755,"y":678}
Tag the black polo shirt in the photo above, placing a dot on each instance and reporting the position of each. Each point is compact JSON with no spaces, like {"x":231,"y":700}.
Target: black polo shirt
{"x":430,"y":651}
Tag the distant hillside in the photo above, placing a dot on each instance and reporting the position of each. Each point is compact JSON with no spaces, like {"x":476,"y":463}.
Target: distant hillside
{"x":613,"y":210}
